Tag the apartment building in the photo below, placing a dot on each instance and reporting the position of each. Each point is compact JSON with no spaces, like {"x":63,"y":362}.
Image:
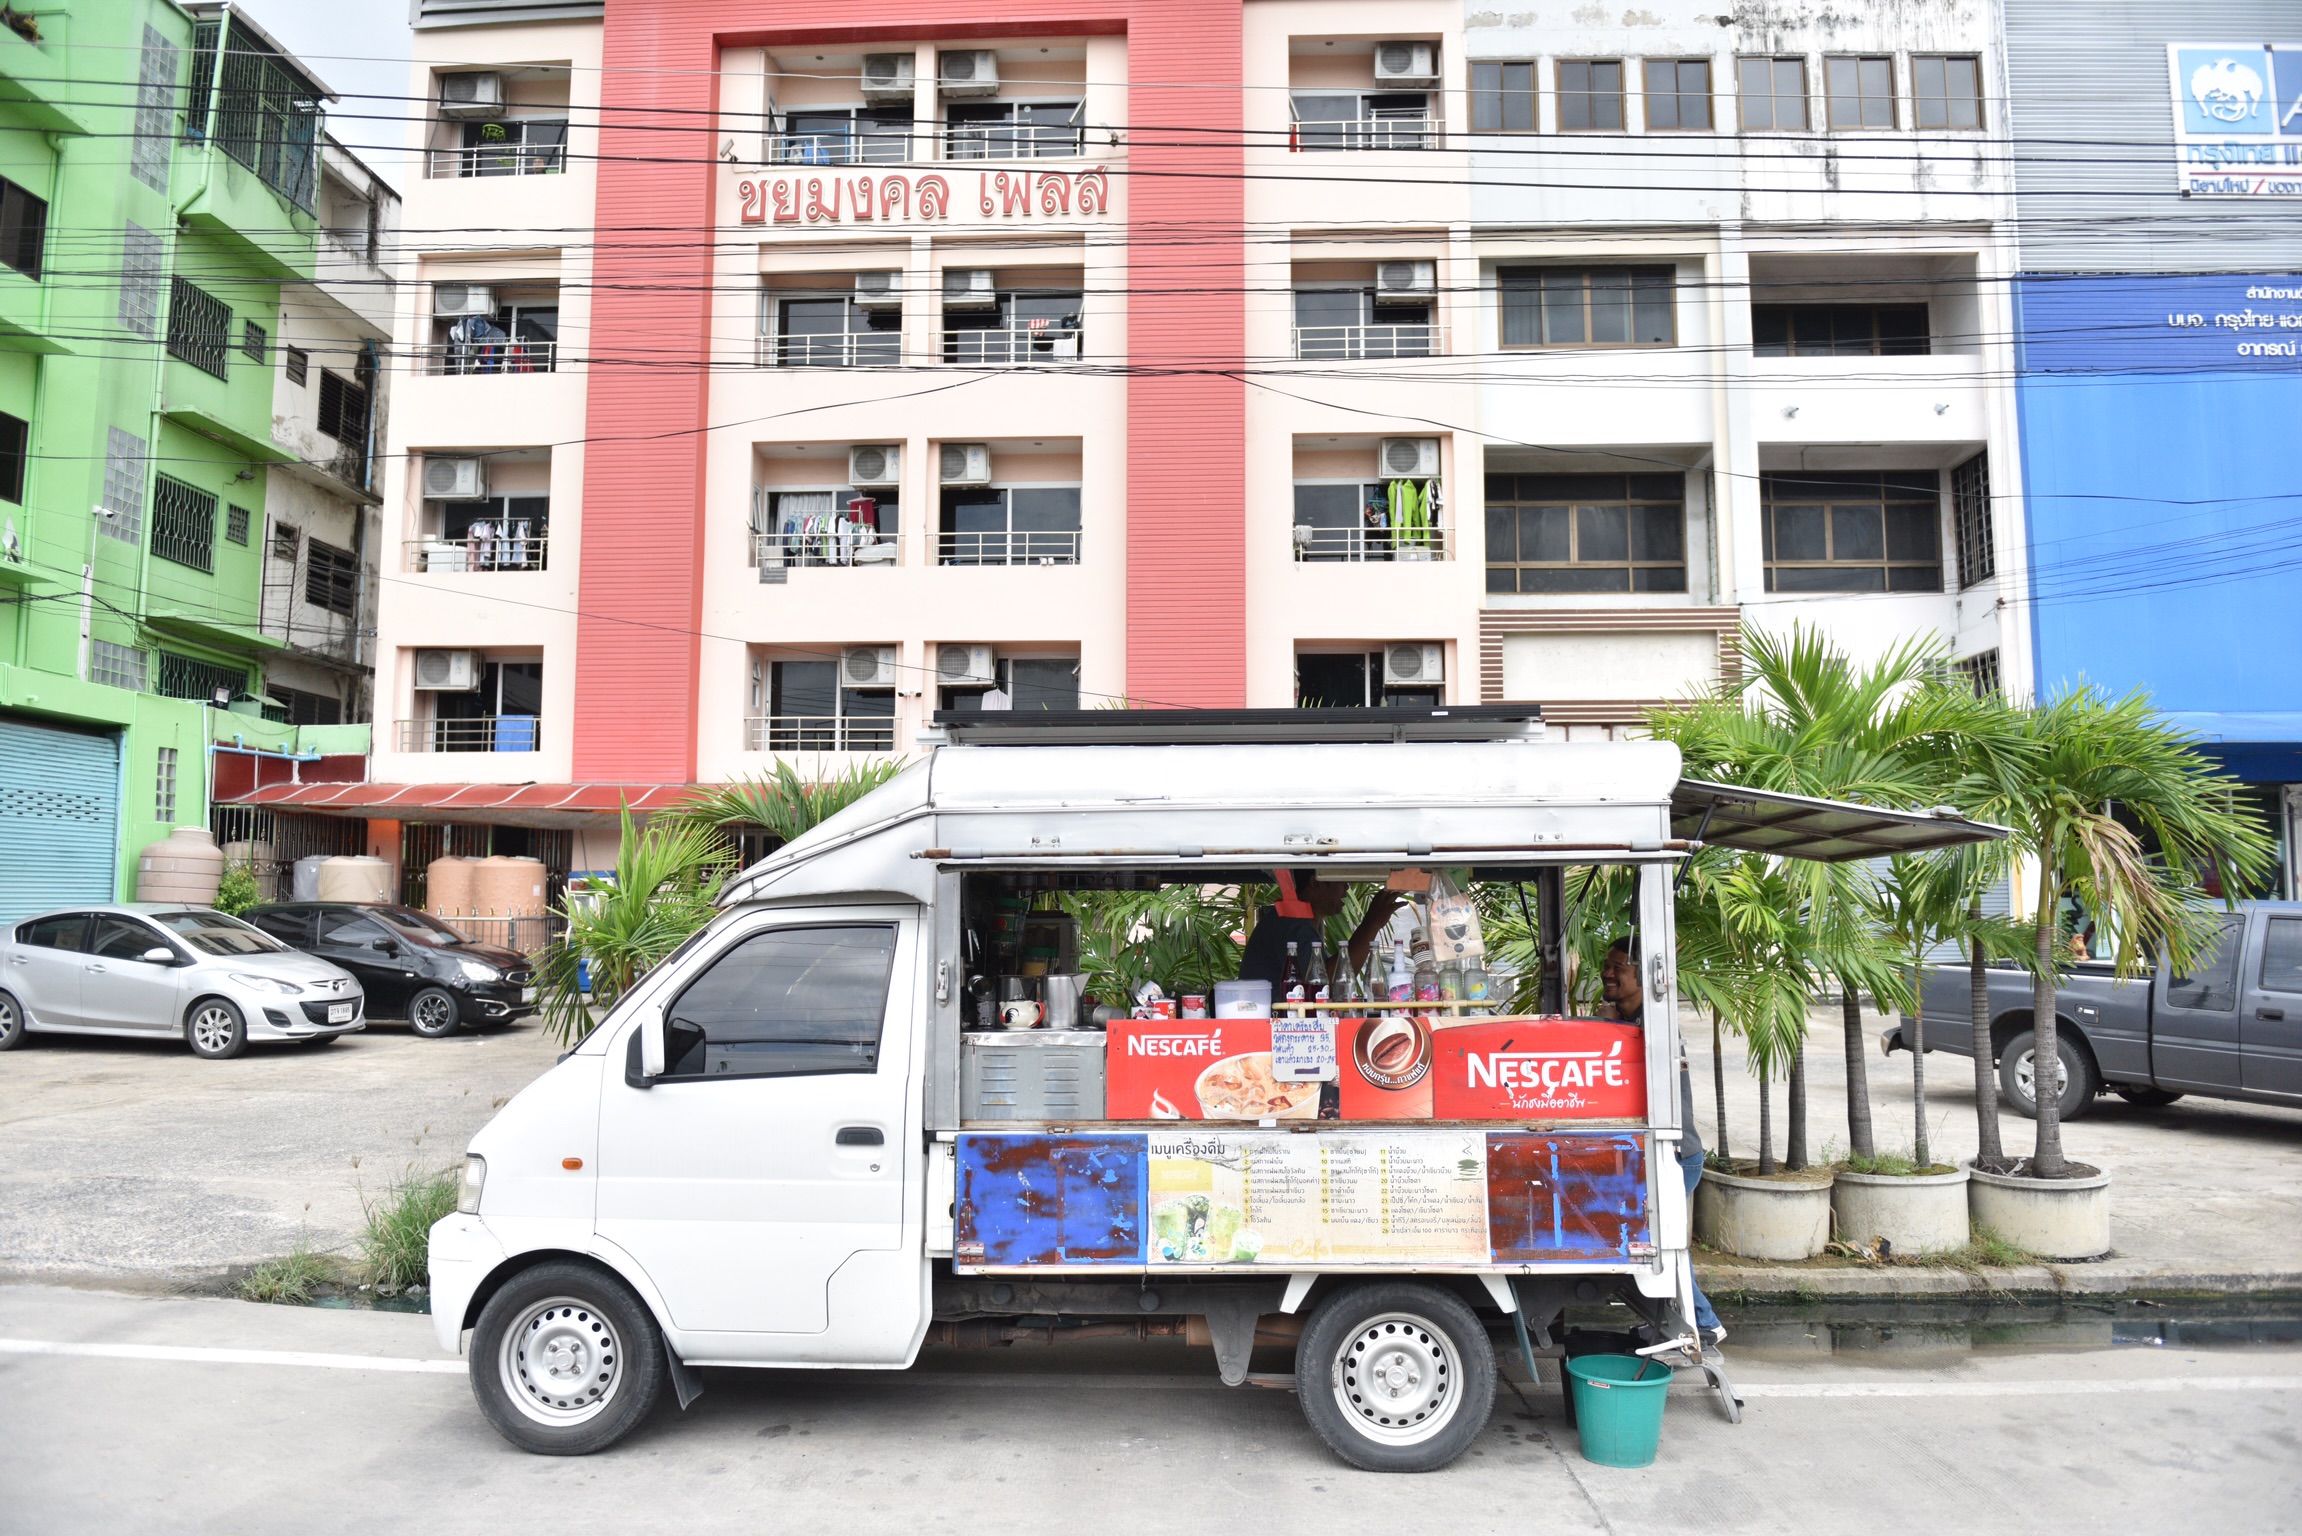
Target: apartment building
{"x":771,"y":382}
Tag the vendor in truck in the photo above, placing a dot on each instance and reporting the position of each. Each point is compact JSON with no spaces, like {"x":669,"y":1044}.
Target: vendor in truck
{"x":1300,"y":916}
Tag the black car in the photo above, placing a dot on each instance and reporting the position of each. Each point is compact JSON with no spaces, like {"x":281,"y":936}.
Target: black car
{"x":411,"y":965}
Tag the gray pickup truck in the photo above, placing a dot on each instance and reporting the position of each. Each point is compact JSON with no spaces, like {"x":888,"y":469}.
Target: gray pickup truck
{"x":2232,"y":1029}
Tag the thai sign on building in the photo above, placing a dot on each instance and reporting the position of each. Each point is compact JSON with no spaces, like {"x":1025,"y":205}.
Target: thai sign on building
{"x":2238,"y":118}
{"x":931,"y":197}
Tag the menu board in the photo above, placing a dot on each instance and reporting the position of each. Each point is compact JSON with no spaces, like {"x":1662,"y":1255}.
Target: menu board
{"x":1281,"y":1199}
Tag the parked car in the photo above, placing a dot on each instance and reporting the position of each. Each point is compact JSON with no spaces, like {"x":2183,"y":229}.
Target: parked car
{"x":411,"y":965}
{"x":2230,"y":1029}
{"x":145,"y":969}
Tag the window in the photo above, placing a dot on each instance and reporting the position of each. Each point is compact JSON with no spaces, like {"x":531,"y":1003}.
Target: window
{"x":1353,"y":322}
{"x":790,"y":1002}
{"x":1678,"y":93}
{"x":1011,"y":130}
{"x":140,"y":257}
{"x":199,"y":327}
{"x":834,"y":333}
{"x":1022,"y":682}
{"x":332,"y":578}
{"x":1502,"y":98}
{"x":118,"y":666}
{"x":1586,"y":533}
{"x":503,"y":714}
{"x":2282,"y":955}
{"x":1867,"y":532}
{"x":286,"y":538}
{"x":1948,"y":88}
{"x":305,"y":708}
{"x":188,"y":677}
{"x":236,"y":524}
{"x":827,"y":527}
{"x":299,"y":365}
{"x":123,"y":938}
{"x":2212,"y":980}
{"x":1970,"y":517}
{"x":70,"y":931}
{"x":155,"y":140}
{"x":1026,"y":327}
{"x":809,"y":709}
{"x":292,"y":927}
{"x":1024,"y":525}
{"x":164,"y":786}
{"x":1380,"y":120}
{"x":1354,"y":680}
{"x":267,"y":115}
{"x":1590,"y":95}
{"x":23,"y":229}
{"x":1355,"y":520}
{"x":1587,"y":307}
{"x":1839,"y":330}
{"x":502,"y":533}
{"x":350,"y":930}
{"x":15,"y":440}
{"x":1980,"y":674}
{"x":1771,"y":94}
{"x":1861,"y":91}
{"x":183,"y":523}
{"x":522,"y":336}
{"x":254,"y":339}
{"x":123,"y":486}
{"x":845,"y":136}
{"x":343,"y":410}
{"x":514,"y":146}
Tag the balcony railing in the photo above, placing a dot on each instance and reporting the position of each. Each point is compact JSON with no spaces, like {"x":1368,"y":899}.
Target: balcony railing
{"x":497,"y":160}
{"x":509,"y":355}
{"x":1028,"y":341}
{"x":1346,"y":341}
{"x":1011,"y":141}
{"x":1406,"y":130}
{"x":842,"y":349}
{"x":1007,"y":548}
{"x":478,"y":552}
{"x":486,"y":733}
{"x":830,"y":546}
{"x":890,"y":146}
{"x":819,"y":733}
{"x":1362,"y":544}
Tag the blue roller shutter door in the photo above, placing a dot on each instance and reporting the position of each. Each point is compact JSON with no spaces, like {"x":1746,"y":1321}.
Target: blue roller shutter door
{"x":59,"y":817}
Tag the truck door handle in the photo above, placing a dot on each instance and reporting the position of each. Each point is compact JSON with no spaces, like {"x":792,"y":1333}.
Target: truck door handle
{"x":2270,"y":1013}
{"x":860,"y":1136}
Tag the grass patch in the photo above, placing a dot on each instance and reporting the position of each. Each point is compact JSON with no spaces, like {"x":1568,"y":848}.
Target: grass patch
{"x":1987,"y":1247}
{"x":396,"y":1245}
{"x":1894,"y":1165}
{"x":292,"y":1280}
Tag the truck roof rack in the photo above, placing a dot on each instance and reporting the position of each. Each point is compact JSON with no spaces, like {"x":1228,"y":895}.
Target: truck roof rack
{"x":1231,"y":727}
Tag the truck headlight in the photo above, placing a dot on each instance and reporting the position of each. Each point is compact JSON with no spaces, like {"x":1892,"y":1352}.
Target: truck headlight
{"x":475,"y":1178}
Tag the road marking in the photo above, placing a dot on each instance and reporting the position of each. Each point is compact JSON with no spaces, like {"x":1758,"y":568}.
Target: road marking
{"x":190,"y":1355}
{"x":2103,"y":1386}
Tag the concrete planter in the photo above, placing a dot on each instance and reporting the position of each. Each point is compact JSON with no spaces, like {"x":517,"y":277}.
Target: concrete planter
{"x":2053,"y":1218}
{"x":1923,"y":1213}
{"x":1763,"y":1218}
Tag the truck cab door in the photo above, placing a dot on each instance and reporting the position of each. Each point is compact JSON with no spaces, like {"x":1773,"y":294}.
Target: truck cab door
{"x":2270,"y":1025}
{"x":2194,"y":1018}
{"x":769,"y":1181}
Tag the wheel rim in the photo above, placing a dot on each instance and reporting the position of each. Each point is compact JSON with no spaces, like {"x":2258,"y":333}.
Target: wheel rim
{"x":561,"y":1363}
{"x":1397,"y":1379}
{"x":8,"y":1019}
{"x":212,"y":1028}
{"x":435,"y":1014}
{"x":2026,"y":1076}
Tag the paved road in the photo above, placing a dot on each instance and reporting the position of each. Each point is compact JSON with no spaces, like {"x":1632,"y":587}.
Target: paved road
{"x":2125,"y":1440}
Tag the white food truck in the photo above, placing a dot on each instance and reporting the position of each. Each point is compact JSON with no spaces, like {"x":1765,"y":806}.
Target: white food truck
{"x":806,"y":1140}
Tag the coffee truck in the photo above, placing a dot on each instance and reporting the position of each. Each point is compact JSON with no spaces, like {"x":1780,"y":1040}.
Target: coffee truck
{"x":805,"y":1140}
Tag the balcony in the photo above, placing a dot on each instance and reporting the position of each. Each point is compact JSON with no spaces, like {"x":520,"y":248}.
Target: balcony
{"x":1315,"y":342}
{"x":835,"y":546}
{"x":1355,"y":545}
{"x":1010,"y":548}
{"x":868,"y":146}
{"x":505,"y":354}
{"x":511,"y":158}
{"x":818,"y":733}
{"x":832,"y":349}
{"x":483,"y":733}
{"x":1382,"y":130}
{"x":478,"y":552}
{"x":1012,"y":141}
{"x":1015,"y":344}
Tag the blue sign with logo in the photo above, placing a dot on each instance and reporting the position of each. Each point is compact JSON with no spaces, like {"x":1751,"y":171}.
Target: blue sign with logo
{"x":2238,"y":118}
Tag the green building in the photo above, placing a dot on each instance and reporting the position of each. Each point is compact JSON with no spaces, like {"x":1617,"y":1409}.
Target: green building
{"x":156,"y":192}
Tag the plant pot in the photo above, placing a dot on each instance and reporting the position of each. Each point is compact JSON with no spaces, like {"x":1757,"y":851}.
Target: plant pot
{"x":1777,"y":1218}
{"x":2053,"y":1218}
{"x":1916,"y":1213}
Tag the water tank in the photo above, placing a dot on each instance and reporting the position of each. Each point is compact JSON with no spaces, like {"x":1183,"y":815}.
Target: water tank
{"x":256,"y":859}
{"x":355,"y":877}
{"x":508,"y":887}
{"x":184,"y":866}
{"x":448,"y":882}
{"x":304,"y":884}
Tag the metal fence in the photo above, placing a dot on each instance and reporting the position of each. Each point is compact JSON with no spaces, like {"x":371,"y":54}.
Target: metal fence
{"x":1361,"y":544}
{"x":1351,"y":341}
{"x":492,"y":551}
{"x":819,"y":733}
{"x":1002,"y":346}
{"x":506,"y":355}
{"x":1007,"y":548}
{"x":482,"y":733}
{"x":505,"y":159}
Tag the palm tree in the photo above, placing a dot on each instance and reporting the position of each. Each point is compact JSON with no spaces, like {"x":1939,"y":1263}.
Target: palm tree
{"x":1746,"y":952}
{"x":2094,"y":765}
{"x":785,"y":803}
{"x":666,"y":879}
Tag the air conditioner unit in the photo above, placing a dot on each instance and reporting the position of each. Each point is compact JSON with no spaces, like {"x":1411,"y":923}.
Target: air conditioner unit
{"x":447,"y":671}
{"x":1406,"y":279}
{"x":867,"y":666}
{"x":1409,"y":458}
{"x":967,"y":72}
{"x":472,"y":95}
{"x":888,"y":76}
{"x":964,"y":289}
{"x":965,"y":464}
{"x":966,"y":666}
{"x":1407,"y":63}
{"x":456,"y":479}
{"x":1415,"y":664}
{"x":453,"y":301}
{"x":878,"y":290}
{"x":875,"y":466}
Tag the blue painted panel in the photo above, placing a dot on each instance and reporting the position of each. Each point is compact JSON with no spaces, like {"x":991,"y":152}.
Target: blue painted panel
{"x":1580,"y":1196}
{"x":1029,"y":1199}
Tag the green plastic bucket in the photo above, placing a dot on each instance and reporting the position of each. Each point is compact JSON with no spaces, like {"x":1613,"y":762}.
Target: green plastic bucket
{"x":1619,"y":1407}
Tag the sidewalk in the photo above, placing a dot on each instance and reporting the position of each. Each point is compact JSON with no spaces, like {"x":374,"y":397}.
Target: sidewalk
{"x":2206,"y":1195}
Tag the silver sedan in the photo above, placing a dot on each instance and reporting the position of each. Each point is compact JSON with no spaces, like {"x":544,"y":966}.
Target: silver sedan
{"x":146,"y":969}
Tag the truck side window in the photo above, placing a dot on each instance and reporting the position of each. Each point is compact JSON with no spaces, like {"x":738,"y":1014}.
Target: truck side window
{"x":790,"y":1002}
{"x":2282,"y":955}
{"x":2213,"y":982}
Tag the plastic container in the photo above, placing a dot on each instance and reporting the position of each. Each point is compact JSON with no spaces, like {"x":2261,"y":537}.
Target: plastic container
{"x":448,"y":883}
{"x":304,"y":884}
{"x":503,"y":886}
{"x":355,"y":877}
{"x":184,"y":866}
{"x":1242,"y":999}
{"x":1619,"y":1407}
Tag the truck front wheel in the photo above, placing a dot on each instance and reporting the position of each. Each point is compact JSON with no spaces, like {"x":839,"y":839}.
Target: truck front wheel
{"x":566,"y":1360}
{"x":1396,"y":1377}
{"x":2018,"y":1074}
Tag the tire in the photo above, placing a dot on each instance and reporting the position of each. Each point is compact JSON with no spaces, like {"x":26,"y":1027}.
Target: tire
{"x":2148,"y":1098}
{"x":215,"y":1029}
{"x":434,"y":1013}
{"x":11,"y":1021}
{"x":2080,"y":1083}
{"x":573,"y":1328}
{"x":1395,"y":1376}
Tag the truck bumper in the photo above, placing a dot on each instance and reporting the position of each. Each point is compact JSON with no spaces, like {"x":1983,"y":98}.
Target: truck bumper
{"x":463,"y":1253}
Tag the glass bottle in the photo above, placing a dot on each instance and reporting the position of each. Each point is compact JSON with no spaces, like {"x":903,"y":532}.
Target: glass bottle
{"x":1476,"y":986}
{"x":1400,"y":984}
{"x":1319,"y":985}
{"x":1426,"y":971}
{"x":1450,"y":982}
{"x":1291,"y":976}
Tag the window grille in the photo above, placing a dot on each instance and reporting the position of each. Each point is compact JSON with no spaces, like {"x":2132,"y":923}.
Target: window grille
{"x":332,"y":578}
{"x":1970,"y":511}
{"x":299,"y":364}
{"x":199,"y":327}
{"x":1981,"y":673}
{"x":236,"y":524}
{"x":184,"y":524}
{"x":343,"y":410}
{"x":255,"y":342}
{"x":188,"y":677}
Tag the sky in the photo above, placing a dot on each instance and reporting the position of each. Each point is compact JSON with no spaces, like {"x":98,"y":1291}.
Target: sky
{"x":360,"y":49}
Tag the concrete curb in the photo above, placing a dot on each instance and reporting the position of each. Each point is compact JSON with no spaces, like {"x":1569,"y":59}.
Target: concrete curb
{"x":1776,"y":1283}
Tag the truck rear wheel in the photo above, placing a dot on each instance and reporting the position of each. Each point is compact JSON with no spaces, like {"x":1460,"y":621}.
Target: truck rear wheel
{"x":565,"y":1360}
{"x":2018,"y":1070}
{"x":1396,"y":1377}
